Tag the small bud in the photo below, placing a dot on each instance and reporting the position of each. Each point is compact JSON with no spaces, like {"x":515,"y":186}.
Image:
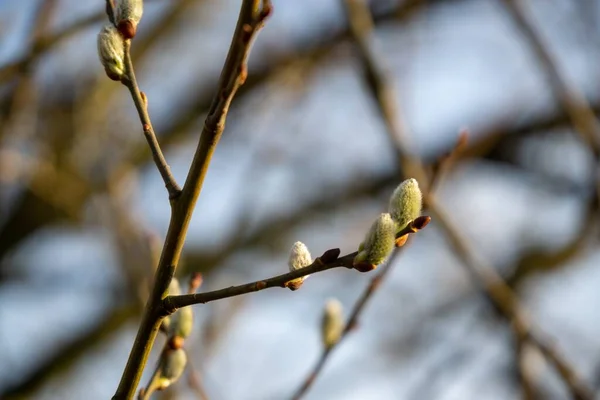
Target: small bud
{"x":128,"y":15}
{"x":330,"y":255}
{"x":195,"y":282}
{"x":332,"y":323}
{"x":378,"y":244}
{"x":299,"y":258}
{"x":401,"y":241}
{"x":406,"y":202}
{"x":111,"y":52}
{"x":172,"y":365}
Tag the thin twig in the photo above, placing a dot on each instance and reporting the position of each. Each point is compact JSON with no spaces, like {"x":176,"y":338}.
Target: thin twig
{"x":494,"y":286}
{"x":525,"y":376}
{"x":251,"y":19}
{"x":572,"y":100}
{"x":330,"y":259}
{"x":195,"y":381}
{"x":141,"y":104}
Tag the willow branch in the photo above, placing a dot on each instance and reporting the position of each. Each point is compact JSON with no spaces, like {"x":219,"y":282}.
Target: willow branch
{"x":141,"y":104}
{"x":330,"y":259}
{"x":494,"y":286}
{"x":251,"y":18}
{"x":172,"y":303}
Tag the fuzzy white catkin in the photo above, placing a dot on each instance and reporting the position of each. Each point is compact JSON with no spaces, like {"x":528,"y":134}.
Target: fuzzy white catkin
{"x":406,"y":202}
{"x":172,"y":365}
{"x":332,"y":323}
{"x":299,"y":257}
{"x":111,"y":51}
{"x":379,"y":241}
{"x":128,"y":15}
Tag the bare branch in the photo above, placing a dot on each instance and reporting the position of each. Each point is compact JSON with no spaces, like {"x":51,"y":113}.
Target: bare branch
{"x":141,"y":104}
{"x":328,"y":260}
{"x":233,"y":75}
{"x":572,"y":100}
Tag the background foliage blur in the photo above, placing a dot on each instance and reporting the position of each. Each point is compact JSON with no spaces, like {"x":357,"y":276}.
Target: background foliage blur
{"x":304,"y":157}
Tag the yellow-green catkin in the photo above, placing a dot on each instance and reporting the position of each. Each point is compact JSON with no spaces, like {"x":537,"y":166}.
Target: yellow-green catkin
{"x":406,"y":203}
{"x":182,"y":323}
{"x":172,"y":365}
{"x":332,"y":323}
{"x":378,"y":244}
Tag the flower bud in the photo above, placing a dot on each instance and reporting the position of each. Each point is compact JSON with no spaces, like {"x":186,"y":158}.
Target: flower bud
{"x":111,"y":52}
{"x":299,"y":258}
{"x":172,"y":365}
{"x":182,"y":323}
{"x":378,"y":244}
{"x":406,"y":202}
{"x":128,"y":15}
{"x":332,"y":323}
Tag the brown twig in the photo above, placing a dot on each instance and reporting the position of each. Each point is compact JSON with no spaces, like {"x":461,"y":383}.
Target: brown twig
{"x":494,"y":287}
{"x":446,"y":162}
{"x":141,"y":104}
{"x":330,"y":259}
{"x":251,"y":18}
{"x":525,"y":376}
{"x":572,"y":100}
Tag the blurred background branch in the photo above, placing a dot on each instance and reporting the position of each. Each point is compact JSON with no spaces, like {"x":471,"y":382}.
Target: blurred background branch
{"x":80,"y":207}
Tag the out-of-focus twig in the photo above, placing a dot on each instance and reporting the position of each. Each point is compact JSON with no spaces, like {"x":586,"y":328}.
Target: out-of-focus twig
{"x":495,"y":288}
{"x":572,"y":100}
{"x":521,"y":355}
{"x":446,"y":162}
{"x":251,"y":19}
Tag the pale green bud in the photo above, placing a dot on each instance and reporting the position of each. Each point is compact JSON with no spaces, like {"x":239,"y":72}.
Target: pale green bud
{"x":299,"y":258}
{"x":332,"y":323}
{"x":174,"y":290}
{"x":406,"y":203}
{"x":172,"y":365}
{"x":182,"y":323}
{"x":128,"y":15}
{"x":378,"y":244}
{"x":111,"y":52}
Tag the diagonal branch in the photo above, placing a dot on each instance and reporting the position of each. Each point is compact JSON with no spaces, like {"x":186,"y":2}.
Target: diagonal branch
{"x":141,"y":104}
{"x":494,"y":286}
{"x":251,"y":18}
{"x":572,"y":100}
